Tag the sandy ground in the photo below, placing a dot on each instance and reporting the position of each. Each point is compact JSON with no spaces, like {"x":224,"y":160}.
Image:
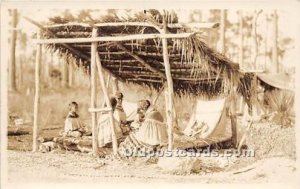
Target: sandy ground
{"x":60,"y":168}
{"x":274,"y":161}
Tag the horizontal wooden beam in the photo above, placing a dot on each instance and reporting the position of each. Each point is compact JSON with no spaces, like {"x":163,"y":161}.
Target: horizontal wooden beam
{"x":139,"y":53}
{"x":107,"y":24}
{"x":116,"y":38}
{"x":145,"y":80}
{"x":204,"y":25}
{"x":124,"y":67}
{"x":135,"y":45}
{"x":68,"y":46}
{"x":71,"y":48}
{"x":99,"y":110}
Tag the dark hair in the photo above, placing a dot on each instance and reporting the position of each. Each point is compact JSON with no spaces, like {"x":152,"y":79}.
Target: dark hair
{"x":148,"y":103}
{"x":113,"y":102}
{"x":144,"y":104}
{"x":73,"y":103}
{"x":118,"y":94}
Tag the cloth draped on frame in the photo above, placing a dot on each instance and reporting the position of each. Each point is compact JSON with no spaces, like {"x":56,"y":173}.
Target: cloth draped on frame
{"x":206,"y":118}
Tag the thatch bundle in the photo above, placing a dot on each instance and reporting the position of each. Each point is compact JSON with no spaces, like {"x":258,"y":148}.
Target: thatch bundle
{"x":194,"y":65}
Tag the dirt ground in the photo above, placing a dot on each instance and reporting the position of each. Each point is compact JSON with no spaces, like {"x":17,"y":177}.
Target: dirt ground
{"x":29,"y":167}
{"x":274,"y":161}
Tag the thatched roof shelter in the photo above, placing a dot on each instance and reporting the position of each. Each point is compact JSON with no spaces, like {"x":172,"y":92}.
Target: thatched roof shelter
{"x":146,"y":49}
{"x":194,"y":65}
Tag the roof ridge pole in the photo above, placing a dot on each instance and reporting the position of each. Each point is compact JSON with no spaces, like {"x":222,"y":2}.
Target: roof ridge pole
{"x":37,"y":94}
{"x":93,"y":92}
{"x":107,"y":101}
{"x":170,"y":92}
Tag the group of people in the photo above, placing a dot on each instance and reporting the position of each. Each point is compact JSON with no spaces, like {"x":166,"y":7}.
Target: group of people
{"x":146,"y":130}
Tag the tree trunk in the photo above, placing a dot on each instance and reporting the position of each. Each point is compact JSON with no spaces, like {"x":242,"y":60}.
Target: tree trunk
{"x":70,"y":72}
{"x":20,"y":74}
{"x":255,"y":43}
{"x":274,"y":47}
{"x":65,"y":72}
{"x":12,"y":65}
{"x":241,"y":42}
{"x":222,"y":31}
{"x":46,"y":69}
{"x":254,"y":35}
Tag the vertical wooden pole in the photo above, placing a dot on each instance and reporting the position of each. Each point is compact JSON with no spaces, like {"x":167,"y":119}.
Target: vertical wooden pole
{"x":107,"y":101}
{"x":170,"y":98}
{"x":93,"y":92}
{"x":36,"y":96}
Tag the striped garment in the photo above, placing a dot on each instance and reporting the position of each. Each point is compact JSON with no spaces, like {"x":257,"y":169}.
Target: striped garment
{"x":151,"y":135}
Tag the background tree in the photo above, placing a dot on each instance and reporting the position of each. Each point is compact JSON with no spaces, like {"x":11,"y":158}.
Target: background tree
{"x":222,"y":31}
{"x":274,"y":42}
{"x":12,"y":63}
{"x":241,"y":39}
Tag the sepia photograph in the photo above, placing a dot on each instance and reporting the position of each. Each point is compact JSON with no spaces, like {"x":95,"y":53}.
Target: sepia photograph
{"x":187,"y":95}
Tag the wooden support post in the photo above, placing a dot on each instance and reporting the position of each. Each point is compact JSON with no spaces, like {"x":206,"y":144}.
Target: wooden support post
{"x":36,"y":96}
{"x":93,"y":93}
{"x":107,"y":101}
{"x":170,"y":96}
{"x":99,"y":109}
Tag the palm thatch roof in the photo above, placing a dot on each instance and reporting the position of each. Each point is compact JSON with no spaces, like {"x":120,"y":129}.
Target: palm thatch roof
{"x":194,"y":65}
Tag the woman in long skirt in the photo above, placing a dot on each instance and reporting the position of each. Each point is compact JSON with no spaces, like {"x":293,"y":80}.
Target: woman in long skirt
{"x":104,"y":126}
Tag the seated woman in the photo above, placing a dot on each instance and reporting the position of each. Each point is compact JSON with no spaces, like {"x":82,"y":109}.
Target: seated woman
{"x":121,"y":113}
{"x":73,"y":125}
{"x":150,"y":134}
{"x":104,"y":126}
